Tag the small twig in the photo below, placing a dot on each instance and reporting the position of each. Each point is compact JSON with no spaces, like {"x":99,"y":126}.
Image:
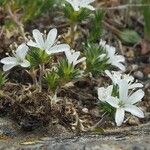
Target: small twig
{"x":2,"y":31}
{"x":19,"y":24}
{"x":41,"y":76}
{"x":112,"y":28}
{"x":99,"y":122}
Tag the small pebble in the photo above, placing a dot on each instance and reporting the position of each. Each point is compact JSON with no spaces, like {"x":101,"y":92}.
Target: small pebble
{"x":85,"y":110}
{"x":139,"y":74}
{"x":133,"y":121}
{"x":134,"y":67}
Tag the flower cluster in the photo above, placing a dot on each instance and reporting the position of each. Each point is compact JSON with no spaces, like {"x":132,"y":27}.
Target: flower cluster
{"x":37,"y":54}
{"x":124,"y":97}
{"x":113,"y":58}
{"x":77,"y":4}
{"x":48,"y":45}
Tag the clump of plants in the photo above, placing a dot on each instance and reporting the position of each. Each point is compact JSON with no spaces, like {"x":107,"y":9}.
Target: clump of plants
{"x":53,"y":66}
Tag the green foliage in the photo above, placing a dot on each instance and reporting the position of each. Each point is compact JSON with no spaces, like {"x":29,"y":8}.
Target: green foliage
{"x":52,"y":80}
{"x":30,"y":9}
{"x":2,"y":79}
{"x":75,"y":16}
{"x":37,"y":57}
{"x":66,"y":71}
{"x":146,"y":14}
{"x":96,"y":28}
{"x":96,"y":59}
{"x":105,"y":107}
{"x":129,"y":36}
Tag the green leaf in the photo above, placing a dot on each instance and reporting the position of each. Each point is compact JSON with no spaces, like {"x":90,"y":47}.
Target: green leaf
{"x":52,"y":80}
{"x":37,"y":57}
{"x":146,"y":14}
{"x":96,"y":26}
{"x":94,"y":63}
{"x":66,"y":71}
{"x":3,"y":79}
{"x":75,"y":16}
{"x":129,"y":36}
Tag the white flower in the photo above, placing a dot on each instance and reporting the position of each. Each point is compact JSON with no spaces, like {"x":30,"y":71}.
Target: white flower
{"x":113,"y":58}
{"x":116,"y":76}
{"x":77,"y":4}
{"x":18,"y":59}
{"x":48,"y":44}
{"x":73,"y":56}
{"x":104,"y":93}
{"x":126,"y":102}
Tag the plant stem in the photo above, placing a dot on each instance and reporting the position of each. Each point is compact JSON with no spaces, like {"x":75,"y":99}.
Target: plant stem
{"x":72,"y":33}
{"x":41,"y":66}
{"x":18,"y":23}
{"x":33,"y":75}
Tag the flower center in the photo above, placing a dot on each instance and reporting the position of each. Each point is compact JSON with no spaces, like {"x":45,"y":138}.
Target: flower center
{"x":121,"y":104}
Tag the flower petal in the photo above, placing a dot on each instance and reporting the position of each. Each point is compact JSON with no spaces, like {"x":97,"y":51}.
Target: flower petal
{"x":51,"y":37}
{"x":119,"y":65}
{"x":9,"y":60}
{"x":89,"y":7}
{"x":8,"y":66}
{"x":136,"y":97}
{"x":134,"y":110}
{"x":58,"y":48}
{"x":103,"y":93}
{"x":39,"y":39}
{"x":32,"y":44}
{"x":25,"y":64}
{"x":79,"y":61}
{"x":22,"y":50}
{"x":135,"y":85}
{"x":123,"y":90}
{"x":120,"y":58}
{"x":119,"y":116}
{"x":113,"y":101}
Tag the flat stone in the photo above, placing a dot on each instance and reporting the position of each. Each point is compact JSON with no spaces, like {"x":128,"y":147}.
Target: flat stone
{"x":129,"y":138}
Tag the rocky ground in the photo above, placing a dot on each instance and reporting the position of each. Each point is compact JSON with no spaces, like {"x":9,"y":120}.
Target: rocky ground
{"x":129,"y":138}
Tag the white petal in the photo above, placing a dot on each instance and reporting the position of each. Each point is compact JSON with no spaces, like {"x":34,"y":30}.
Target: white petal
{"x":58,"y":48}
{"x":123,"y":90}
{"x":136,"y":97}
{"x":79,"y":61}
{"x":51,"y":37}
{"x":87,"y":1}
{"x":9,"y":60}
{"x":103,"y":93}
{"x":89,"y":7}
{"x":39,"y":38}
{"x":74,"y":56}
{"x":120,"y":58}
{"x":119,"y":116}
{"x":74,"y":4}
{"x":8,"y":66}
{"x":119,"y":65}
{"x":32,"y":44}
{"x":25,"y":64}
{"x":113,"y":101}
{"x":108,"y":73}
{"x":134,"y":110}
{"x":135,"y":85}
{"x":22,"y":50}
{"x":111,"y":51}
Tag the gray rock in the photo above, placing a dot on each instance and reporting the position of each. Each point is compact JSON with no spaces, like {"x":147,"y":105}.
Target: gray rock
{"x":129,"y":138}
